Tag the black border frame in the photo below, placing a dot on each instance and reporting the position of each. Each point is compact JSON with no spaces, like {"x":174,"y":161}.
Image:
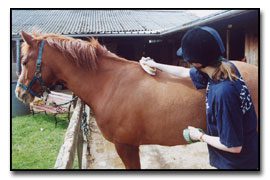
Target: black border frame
{"x":145,"y":171}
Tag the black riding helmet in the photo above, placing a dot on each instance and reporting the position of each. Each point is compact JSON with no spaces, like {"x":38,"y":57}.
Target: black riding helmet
{"x":201,"y":45}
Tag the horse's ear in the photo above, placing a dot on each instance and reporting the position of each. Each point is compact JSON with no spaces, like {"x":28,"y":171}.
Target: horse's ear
{"x":27,"y":38}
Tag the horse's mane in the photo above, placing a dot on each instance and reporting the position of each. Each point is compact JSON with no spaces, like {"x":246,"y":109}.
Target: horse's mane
{"x":83,"y":53}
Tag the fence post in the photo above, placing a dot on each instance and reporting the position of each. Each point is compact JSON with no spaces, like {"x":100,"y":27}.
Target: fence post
{"x":66,"y":154}
{"x":80,"y":148}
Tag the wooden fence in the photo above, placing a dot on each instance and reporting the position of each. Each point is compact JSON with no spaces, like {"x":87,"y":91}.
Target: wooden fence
{"x":75,"y":141}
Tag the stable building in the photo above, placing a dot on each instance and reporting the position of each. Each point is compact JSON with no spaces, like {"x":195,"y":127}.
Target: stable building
{"x":136,"y":33}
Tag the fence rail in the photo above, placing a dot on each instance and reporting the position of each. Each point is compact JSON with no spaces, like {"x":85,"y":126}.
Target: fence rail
{"x":74,"y":142}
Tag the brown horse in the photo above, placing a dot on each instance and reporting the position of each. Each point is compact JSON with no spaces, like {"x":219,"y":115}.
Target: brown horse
{"x":131,"y":107}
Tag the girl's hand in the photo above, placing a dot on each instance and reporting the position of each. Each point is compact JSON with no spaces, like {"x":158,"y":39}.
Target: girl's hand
{"x":194,"y":133}
{"x":148,"y":61}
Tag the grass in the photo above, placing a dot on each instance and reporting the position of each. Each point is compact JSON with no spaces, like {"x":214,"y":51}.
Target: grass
{"x":36,"y":141}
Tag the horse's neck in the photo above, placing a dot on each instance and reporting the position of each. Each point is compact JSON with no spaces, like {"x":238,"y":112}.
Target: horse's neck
{"x":89,"y":85}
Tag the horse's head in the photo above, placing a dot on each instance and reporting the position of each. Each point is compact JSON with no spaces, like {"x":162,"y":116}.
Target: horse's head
{"x":35,"y":74}
{"x":46,"y":58}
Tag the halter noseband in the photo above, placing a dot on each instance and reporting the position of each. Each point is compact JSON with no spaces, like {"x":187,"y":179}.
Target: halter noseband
{"x":37,"y":76}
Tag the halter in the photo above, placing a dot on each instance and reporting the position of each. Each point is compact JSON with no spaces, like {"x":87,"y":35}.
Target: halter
{"x":37,"y":77}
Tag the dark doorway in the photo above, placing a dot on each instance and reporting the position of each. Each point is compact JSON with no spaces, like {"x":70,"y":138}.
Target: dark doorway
{"x":126,"y":50}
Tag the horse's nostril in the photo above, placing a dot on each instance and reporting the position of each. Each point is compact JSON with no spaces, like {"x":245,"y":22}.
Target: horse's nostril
{"x":24,"y":95}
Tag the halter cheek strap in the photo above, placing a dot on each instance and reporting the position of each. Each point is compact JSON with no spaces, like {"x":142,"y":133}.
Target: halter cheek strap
{"x":37,"y":76}
{"x":39,"y":59}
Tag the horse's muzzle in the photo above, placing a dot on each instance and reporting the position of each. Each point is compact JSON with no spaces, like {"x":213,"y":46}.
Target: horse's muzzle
{"x":23,"y":96}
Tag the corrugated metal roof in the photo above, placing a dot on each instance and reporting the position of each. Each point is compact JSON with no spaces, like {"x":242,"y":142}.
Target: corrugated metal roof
{"x":110,"y":22}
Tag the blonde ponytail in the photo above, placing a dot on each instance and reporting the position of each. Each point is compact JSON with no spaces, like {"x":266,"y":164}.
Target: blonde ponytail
{"x":224,"y":70}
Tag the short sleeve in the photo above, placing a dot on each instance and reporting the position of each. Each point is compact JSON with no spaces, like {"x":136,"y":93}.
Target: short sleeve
{"x":198,"y":78}
{"x":229,"y":117}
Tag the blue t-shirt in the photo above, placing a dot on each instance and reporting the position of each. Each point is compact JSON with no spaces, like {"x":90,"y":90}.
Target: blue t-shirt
{"x":231,"y":117}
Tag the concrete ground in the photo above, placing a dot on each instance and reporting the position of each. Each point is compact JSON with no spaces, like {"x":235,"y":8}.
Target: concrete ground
{"x":103,"y":154}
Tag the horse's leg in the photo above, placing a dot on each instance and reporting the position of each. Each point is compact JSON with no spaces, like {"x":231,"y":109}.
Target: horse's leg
{"x":129,"y":155}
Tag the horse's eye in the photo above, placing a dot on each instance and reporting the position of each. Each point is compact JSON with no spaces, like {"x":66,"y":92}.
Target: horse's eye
{"x":24,"y":61}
